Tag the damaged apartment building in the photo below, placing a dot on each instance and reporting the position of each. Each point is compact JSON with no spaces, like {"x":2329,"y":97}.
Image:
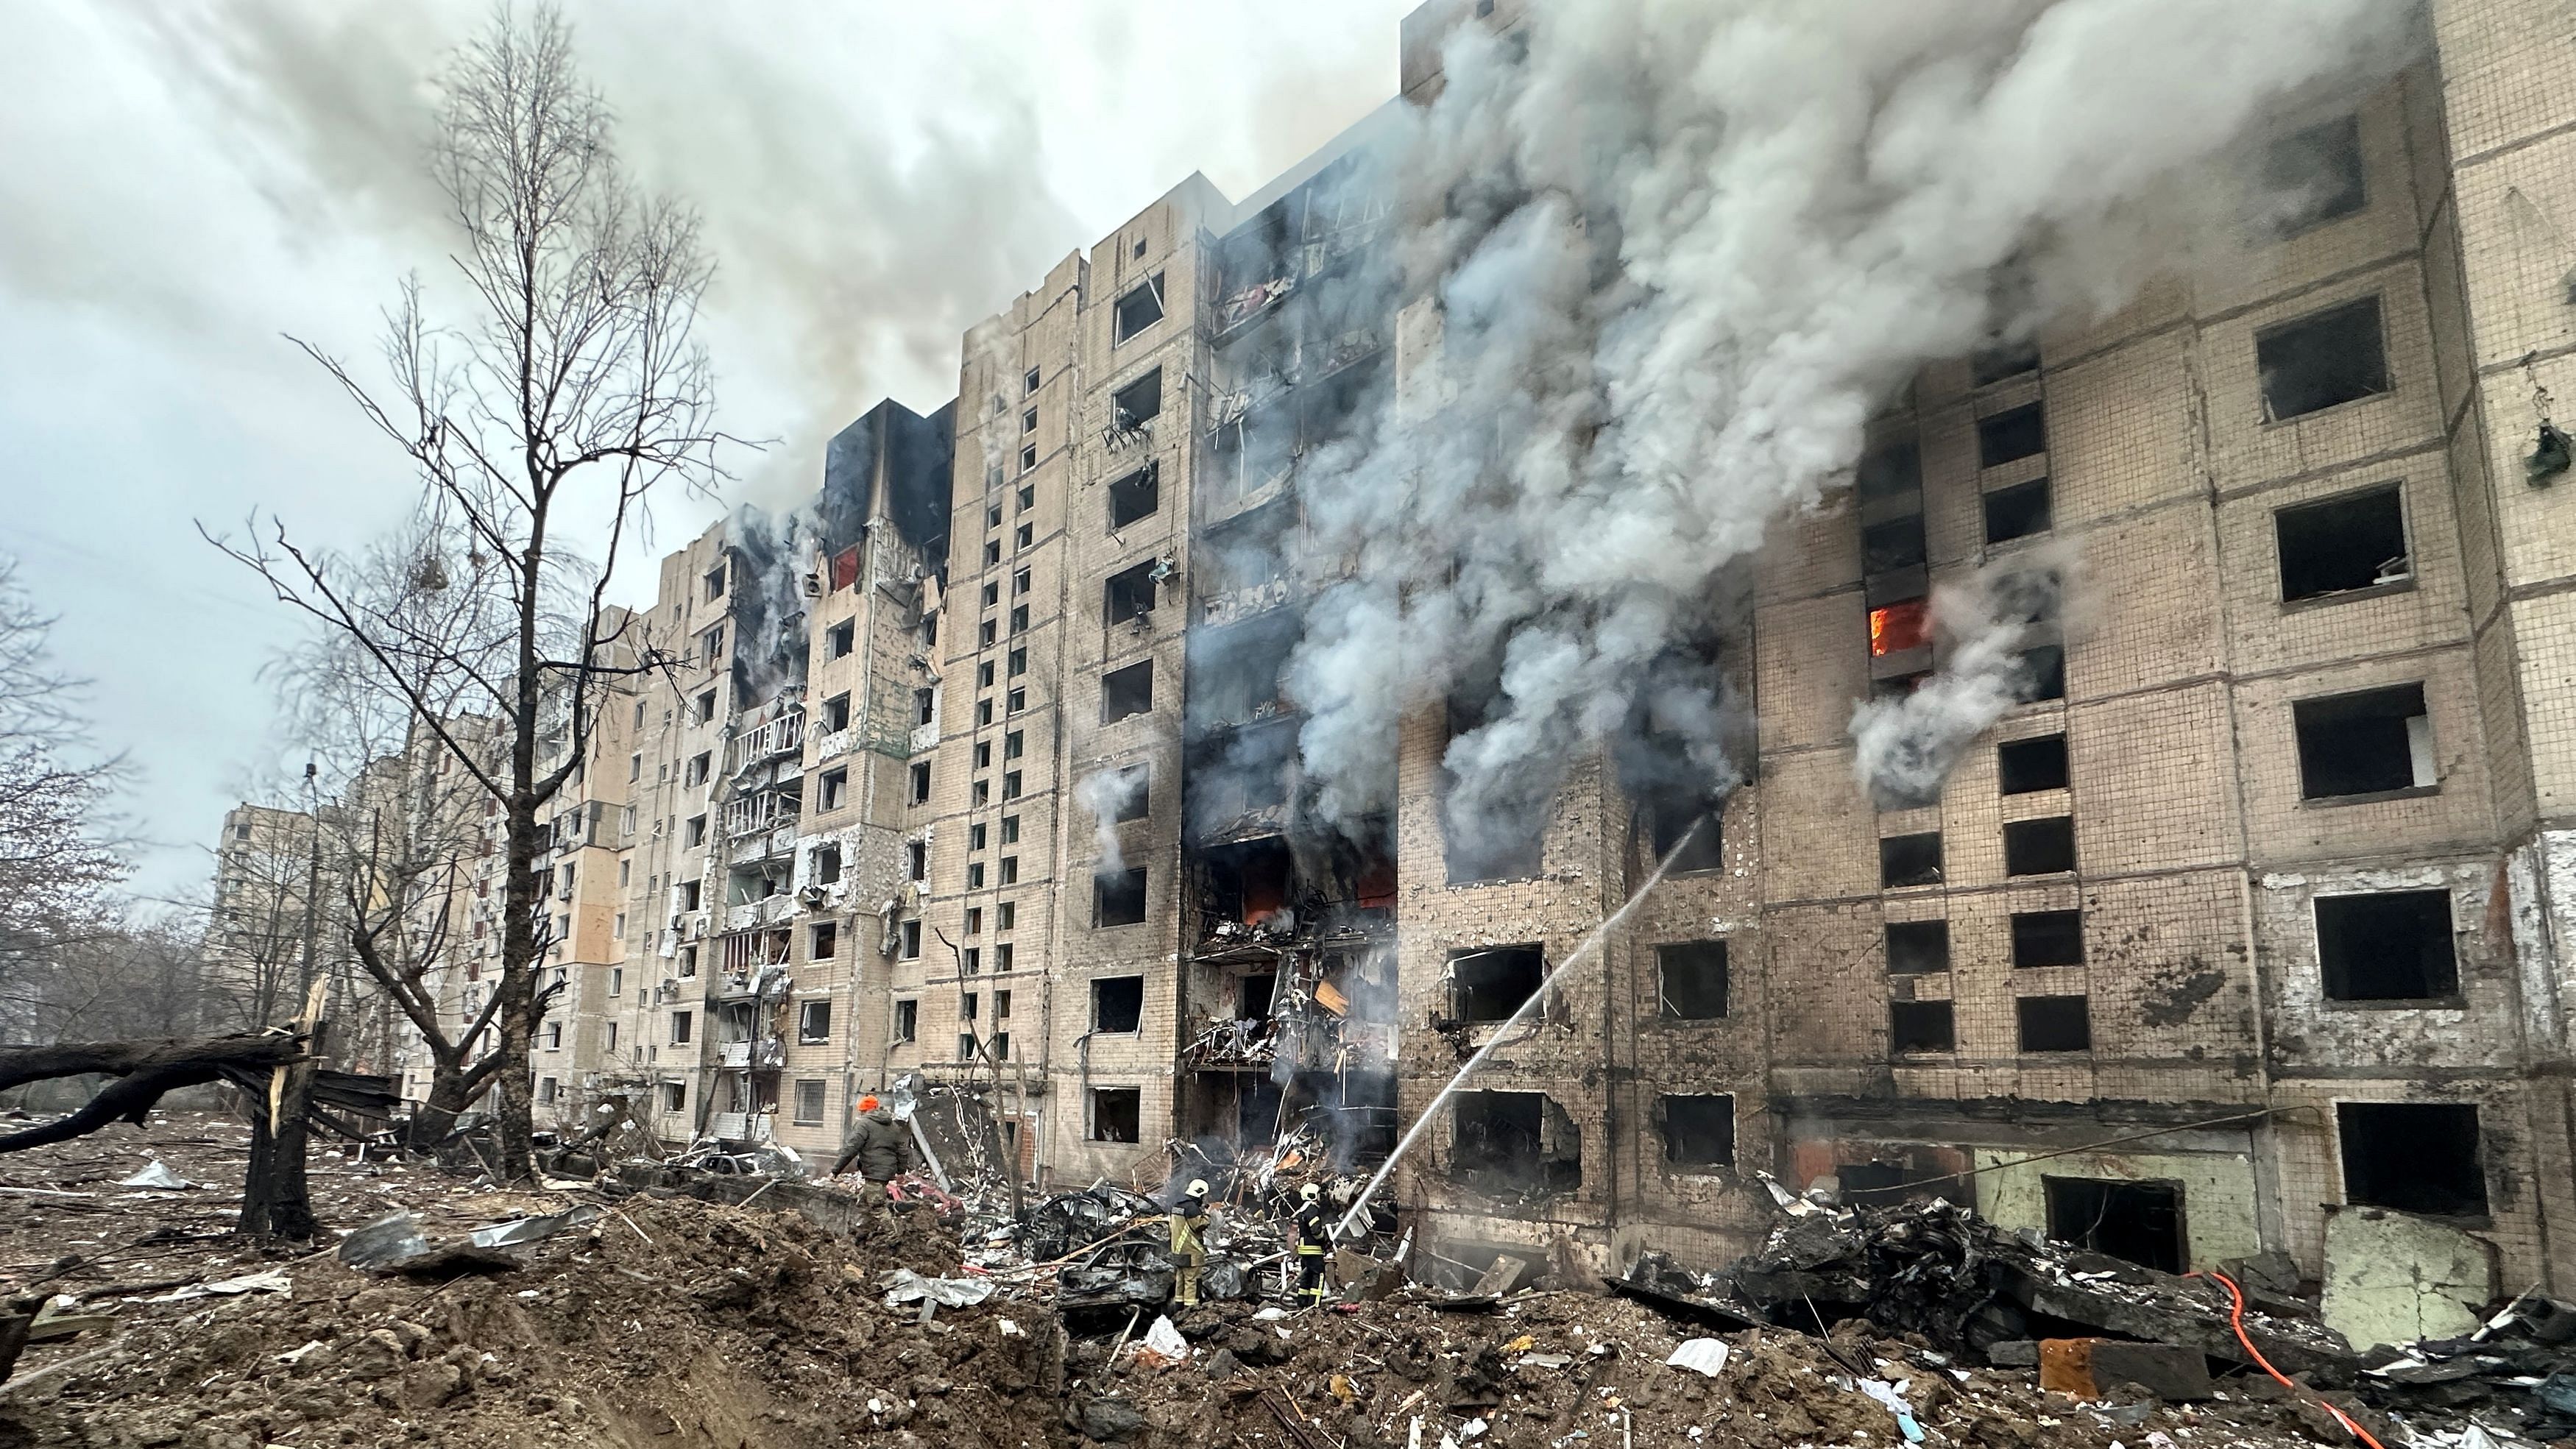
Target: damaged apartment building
{"x":2241,"y":931}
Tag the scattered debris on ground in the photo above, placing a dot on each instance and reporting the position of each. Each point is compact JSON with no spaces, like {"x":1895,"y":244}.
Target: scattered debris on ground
{"x":679,"y":1303}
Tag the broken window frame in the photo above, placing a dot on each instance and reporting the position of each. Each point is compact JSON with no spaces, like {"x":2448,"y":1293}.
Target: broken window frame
{"x":2064,"y":1019}
{"x":2031,"y":847}
{"x":2009,"y":435}
{"x":1127,"y":903}
{"x":2346,"y":922}
{"x":1916,"y":948}
{"x":2010,"y":512}
{"x":1920,"y":1038}
{"x":2045,"y":939}
{"x":1897,"y":852}
{"x":2032,"y":765}
{"x":1129,"y":595}
{"x":1719,"y":1111}
{"x":1110,"y":1005}
{"x":2369,"y":379}
{"x":1135,"y":497}
{"x":1126,"y":316}
{"x":2404,"y":1137}
{"x":1700,"y":1002}
{"x":1119,"y":692}
{"x":2287,"y":166}
{"x":1124,"y":1122}
{"x":2299,"y":535}
{"x":2327,"y":727}
{"x":1497,"y":967}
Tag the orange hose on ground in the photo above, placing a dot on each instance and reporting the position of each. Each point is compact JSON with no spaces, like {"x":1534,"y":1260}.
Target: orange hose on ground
{"x":2236,"y":1320}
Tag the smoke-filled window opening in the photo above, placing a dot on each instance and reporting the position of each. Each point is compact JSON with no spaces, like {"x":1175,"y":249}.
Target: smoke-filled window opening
{"x":2387,"y":946}
{"x":1238,"y":558}
{"x":1490,"y":983}
{"x":1138,"y":403}
{"x":2416,"y":1157}
{"x":2342,"y":544}
{"x":2322,"y":360}
{"x":1344,"y":390}
{"x":1118,"y":898}
{"x":2048,"y":938}
{"x":1671,"y":818}
{"x":2039,"y":847}
{"x":1135,"y":497}
{"x":1692,"y":980}
{"x":2054,"y":1023}
{"x":2012,"y":435}
{"x":1238,"y":673}
{"x":1891,"y":472}
{"x":1909,"y":860}
{"x":2139,"y":1221}
{"x":1126,"y":793}
{"x":1126,"y":693}
{"x":1513,"y":1144}
{"x":2310,"y":177}
{"x":1917,"y":947}
{"x":1117,"y":1004}
{"x":1698,"y":1129}
{"x":2043,"y":673}
{"x":2026,"y":767}
{"x":1128,"y":594}
{"x":1919,"y":1027}
{"x":1117,"y":1114}
{"x":2368,"y":743}
{"x":2018,"y":511}
{"x":1490,"y":845}
{"x":1138,"y":308}
{"x":1896,"y":543}
{"x":1990,"y":365}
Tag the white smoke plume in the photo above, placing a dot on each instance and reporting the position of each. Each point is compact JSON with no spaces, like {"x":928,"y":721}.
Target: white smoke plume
{"x":1104,"y":793}
{"x":1680,"y":253}
{"x":1908,"y":743}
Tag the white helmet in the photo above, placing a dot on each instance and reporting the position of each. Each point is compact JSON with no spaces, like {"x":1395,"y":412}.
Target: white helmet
{"x":1310,"y":1192}
{"x":1198,"y":1187}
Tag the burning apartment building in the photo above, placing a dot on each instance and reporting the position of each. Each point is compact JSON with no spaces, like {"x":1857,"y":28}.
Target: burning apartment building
{"x":2134,"y":807}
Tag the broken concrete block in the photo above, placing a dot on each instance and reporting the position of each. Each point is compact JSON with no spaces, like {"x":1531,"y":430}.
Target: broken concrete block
{"x":2394,"y":1278}
{"x":2014,"y":1353}
{"x":2091,"y":1368}
{"x":2175,"y":1374}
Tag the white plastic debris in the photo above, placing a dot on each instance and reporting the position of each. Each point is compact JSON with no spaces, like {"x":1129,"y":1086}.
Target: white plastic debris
{"x":1164,"y":1340}
{"x":156,"y":1173}
{"x":296,"y":1355}
{"x":903,"y":1285}
{"x":1544,"y":1360}
{"x":1271,"y":1314}
{"x":2476,"y":1437}
{"x":1893,"y":1396}
{"x":271,"y":1281}
{"x":1011,"y":1329}
{"x":1473,"y":1428}
{"x":1706,"y":1356}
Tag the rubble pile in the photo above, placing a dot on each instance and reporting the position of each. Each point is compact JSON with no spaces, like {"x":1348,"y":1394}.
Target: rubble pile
{"x":1938,"y":1270}
{"x":659,"y":1321}
{"x":685,"y":1303}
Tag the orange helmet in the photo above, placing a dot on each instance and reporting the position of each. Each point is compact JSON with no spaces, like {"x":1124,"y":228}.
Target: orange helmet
{"x":867,"y":1104}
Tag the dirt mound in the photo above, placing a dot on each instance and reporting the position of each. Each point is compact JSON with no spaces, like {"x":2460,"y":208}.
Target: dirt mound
{"x":669,"y":1322}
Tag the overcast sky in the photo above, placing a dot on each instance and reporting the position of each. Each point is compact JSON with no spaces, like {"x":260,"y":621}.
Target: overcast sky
{"x":184,"y":182}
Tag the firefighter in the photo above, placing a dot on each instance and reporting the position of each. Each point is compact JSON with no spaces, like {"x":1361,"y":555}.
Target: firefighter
{"x":1188,"y":1220}
{"x":1314,"y":1239}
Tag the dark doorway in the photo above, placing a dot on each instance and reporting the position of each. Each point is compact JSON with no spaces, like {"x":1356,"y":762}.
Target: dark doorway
{"x":2139,"y":1221}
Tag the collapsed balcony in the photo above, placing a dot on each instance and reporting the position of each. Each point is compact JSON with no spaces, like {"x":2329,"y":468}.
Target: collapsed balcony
{"x":780,"y":733}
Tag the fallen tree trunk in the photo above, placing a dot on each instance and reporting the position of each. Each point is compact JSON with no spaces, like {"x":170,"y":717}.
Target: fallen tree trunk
{"x":145,"y":1071}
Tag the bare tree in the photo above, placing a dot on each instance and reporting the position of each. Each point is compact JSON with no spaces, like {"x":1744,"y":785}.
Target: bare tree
{"x":57,"y":866}
{"x":569,"y":393}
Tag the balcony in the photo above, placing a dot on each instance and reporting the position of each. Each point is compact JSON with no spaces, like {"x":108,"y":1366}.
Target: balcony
{"x":740,"y":1126}
{"x":766,"y":845}
{"x":752,"y":915}
{"x":767,"y":1054}
{"x":783,"y":735}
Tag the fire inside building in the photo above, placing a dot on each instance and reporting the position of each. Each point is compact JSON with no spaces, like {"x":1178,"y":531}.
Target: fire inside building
{"x":2239,"y":929}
